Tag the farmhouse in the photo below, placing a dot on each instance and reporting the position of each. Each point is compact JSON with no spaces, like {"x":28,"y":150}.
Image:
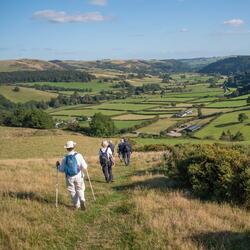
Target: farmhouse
{"x":184,"y":113}
{"x":192,"y":128}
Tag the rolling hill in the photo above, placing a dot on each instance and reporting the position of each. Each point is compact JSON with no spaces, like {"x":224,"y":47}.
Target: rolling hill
{"x":27,"y":65}
{"x":232,"y":65}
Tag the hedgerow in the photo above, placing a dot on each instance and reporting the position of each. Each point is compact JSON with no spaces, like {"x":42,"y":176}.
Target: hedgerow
{"x":216,"y":172}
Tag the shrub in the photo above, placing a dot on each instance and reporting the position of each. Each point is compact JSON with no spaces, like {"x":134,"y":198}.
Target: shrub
{"x":214,"y":172}
{"x":30,"y":118}
{"x":102,"y":125}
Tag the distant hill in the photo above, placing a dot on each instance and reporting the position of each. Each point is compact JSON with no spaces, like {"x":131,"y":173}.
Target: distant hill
{"x":198,"y":63}
{"x":232,"y":65}
{"x":153,"y":67}
{"x":124,"y":66}
{"x":128,"y":66}
{"x":27,"y":65}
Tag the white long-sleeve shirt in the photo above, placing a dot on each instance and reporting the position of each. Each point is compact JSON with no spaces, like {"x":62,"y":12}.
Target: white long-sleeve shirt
{"x":80,"y":162}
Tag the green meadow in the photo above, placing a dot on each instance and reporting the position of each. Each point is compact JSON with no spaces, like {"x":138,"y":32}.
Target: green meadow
{"x":25,"y":94}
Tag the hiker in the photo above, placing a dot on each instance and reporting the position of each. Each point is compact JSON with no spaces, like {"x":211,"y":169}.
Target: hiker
{"x":106,"y":161}
{"x":127,"y":151}
{"x":72,"y":165}
{"x":112,"y":147}
{"x":120,"y":149}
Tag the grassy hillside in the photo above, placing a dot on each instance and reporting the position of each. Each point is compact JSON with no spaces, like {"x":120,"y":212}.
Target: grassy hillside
{"x":27,"y":65}
{"x":25,"y":94}
{"x":232,"y":65}
{"x":140,"y":210}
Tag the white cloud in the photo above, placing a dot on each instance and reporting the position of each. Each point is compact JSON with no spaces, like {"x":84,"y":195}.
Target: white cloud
{"x":184,"y":30}
{"x":63,"y":17}
{"x":234,"y":22}
{"x":98,"y":2}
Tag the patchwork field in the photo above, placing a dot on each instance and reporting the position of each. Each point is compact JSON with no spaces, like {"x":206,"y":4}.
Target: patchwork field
{"x":158,"y":126}
{"x":95,"y":85}
{"x":181,"y":93}
{"x":227,"y":122}
{"x":85,"y":112}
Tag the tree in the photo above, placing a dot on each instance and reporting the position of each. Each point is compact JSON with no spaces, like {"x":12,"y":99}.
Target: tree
{"x":33,"y":118}
{"x":242,"y":117}
{"x":238,"y":137}
{"x":248,"y":100}
{"x":166,"y":78}
{"x":199,"y":112}
{"x":16,"y":89}
{"x":102,"y":125}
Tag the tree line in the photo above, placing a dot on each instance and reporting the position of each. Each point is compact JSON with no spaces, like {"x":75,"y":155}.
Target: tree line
{"x":45,"y":76}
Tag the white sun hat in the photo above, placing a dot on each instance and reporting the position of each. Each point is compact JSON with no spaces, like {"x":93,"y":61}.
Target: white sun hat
{"x":70,"y":144}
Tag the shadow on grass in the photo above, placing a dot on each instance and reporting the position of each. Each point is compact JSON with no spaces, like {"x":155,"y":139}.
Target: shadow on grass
{"x":161,"y":183}
{"x":32,"y":197}
{"x":227,"y":124}
{"x":223,"y":240}
{"x":151,"y":171}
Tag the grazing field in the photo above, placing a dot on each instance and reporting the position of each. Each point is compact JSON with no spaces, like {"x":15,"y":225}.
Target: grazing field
{"x":85,"y":112}
{"x":132,"y":117}
{"x":123,"y":106}
{"x":158,"y":126}
{"x":140,"y":198}
{"x":126,"y":124}
{"x":95,"y":85}
{"x":25,"y":94}
{"x":227,"y":122}
{"x":144,"y":80}
{"x":228,"y":104}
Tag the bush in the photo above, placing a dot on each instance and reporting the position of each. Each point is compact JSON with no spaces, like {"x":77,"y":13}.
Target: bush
{"x":228,"y":136}
{"x":214,"y":172}
{"x":102,"y":125}
{"x":33,"y":118}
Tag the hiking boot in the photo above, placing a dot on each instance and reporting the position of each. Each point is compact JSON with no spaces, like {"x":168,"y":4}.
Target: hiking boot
{"x":83,"y":206}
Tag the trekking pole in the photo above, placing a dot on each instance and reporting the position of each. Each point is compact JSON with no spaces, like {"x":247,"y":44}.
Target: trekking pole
{"x":90,"y":185}
{"x":57,"y":186}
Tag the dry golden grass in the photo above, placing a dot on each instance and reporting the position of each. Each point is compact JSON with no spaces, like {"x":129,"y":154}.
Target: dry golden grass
{"x":180,"y":222}
{"x":138,"y":211}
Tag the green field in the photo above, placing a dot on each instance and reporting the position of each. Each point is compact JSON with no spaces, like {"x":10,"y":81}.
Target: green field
{"x":123,"y":106}
{"x":132,"y":117}
{"x":25,"y":94}
{"x":126,"y":124}
{"x":227,"y":122}
{"x":228,"y":104}
{"x":85,"y":112}
{"x":94,"y":85}
{"x":158,"y":126}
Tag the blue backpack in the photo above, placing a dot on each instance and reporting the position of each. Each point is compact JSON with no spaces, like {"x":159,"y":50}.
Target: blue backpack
{"x":71,"y":168}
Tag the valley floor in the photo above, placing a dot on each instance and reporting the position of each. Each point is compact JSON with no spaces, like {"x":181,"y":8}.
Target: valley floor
{"x":139,"y":210}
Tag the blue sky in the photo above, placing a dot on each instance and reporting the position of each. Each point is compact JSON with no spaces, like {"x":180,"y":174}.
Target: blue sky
{"x":123,"y":29}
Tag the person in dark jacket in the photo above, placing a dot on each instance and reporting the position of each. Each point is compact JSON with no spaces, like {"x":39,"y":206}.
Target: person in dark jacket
{"x":120,"y":149}
{"x":127,"y":151}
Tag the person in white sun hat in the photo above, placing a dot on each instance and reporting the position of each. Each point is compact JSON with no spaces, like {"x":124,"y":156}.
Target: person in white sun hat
{"x":72,"y":165}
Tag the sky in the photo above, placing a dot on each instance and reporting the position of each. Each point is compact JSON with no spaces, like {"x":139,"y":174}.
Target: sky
{"x":123,"y":29}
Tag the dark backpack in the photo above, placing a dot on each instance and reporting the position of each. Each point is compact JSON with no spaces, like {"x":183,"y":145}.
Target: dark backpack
{"x":72,"y":167}
{"x":126,"y":148}
{"x":104,"y":159}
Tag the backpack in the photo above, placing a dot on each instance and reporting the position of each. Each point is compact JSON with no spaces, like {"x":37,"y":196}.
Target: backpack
{"x":126,"y":148}
{"x":104,"y":159}
{"x":72,"y":167}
